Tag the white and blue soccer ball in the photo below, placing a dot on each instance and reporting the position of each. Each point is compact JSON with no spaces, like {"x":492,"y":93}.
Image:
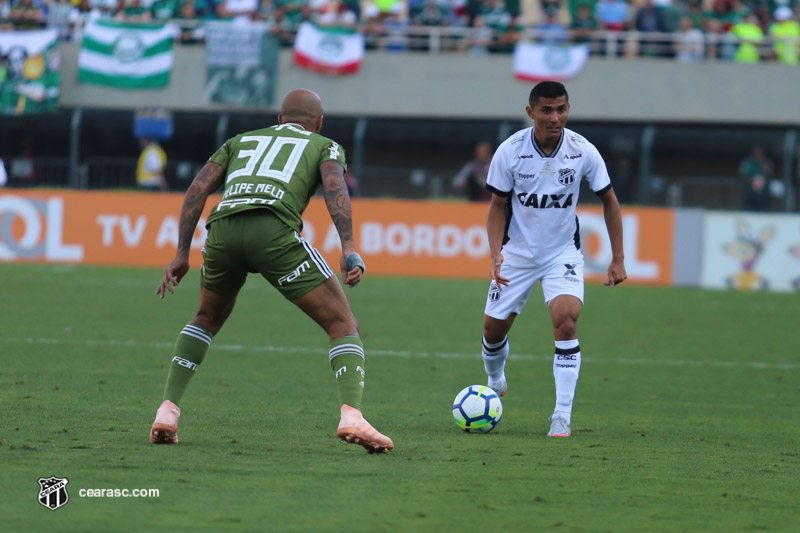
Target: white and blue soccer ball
{"x":477,"y":409}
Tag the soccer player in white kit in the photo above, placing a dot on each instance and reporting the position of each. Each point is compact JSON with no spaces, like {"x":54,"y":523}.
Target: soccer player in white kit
{"x":535,"y":178}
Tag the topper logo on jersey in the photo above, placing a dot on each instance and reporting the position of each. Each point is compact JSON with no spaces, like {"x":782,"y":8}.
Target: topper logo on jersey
{"x":566,"y":176}
{"x":545,"y":201}
{"x":525,"y":156}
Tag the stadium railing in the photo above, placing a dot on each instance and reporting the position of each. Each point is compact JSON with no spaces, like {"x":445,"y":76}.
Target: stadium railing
{"x":439,"y":39}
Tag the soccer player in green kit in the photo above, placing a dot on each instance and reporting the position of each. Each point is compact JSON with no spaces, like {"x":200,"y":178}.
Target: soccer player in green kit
{"x":268,"y":176}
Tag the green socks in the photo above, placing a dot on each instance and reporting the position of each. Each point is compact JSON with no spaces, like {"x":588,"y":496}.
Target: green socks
{"x":190,"y":350}
{"x":347,"y":362}
{"x":346,"y":358}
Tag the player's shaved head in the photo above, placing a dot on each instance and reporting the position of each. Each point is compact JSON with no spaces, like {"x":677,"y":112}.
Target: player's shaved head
{"x":302,"y":107}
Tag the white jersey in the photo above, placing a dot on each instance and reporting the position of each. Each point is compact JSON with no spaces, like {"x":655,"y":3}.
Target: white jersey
{"x":543,"y":192}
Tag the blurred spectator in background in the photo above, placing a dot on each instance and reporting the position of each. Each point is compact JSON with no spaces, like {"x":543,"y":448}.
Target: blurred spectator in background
{"x":3,"y":173}
{"x":292,"y":14}
{"x":134,"y":11}
{"x":472,"y":177}
{"x":150,"y":168}
{"x":689,"y":42}
{"x":95,"y":9}
{"x":694,"y":8}
{"x":650,"y":18}
{"x":340,"y":17}
{"x":573,"y":6}
{"x":371,"y":26}
{"x":61,"y":15}
{"x":268,"y":13}
{"x":472,"y":9}
{"x":23,"y":166}
{"x":612,"y":15}
{"x":351,"y":183}
{"x":394,"y":24}
{"x":496,"y":16}
{"x":549,"y":7}
{"x":238,"y":10}
{"x":387,"y":7}
{"x":433,"y":13}
{"x":5,"y":10}
{"x":503,"y":24}
{"x":552,"y":31}
{"x":738,"y":11}
{"x":756,"y":171}
{"x":479,"y":38}
{"x":353,"y":6}
{"x":715,"y":49}
{"x":749,"y":35}
{"x":507,"y":40}
{"x":199,"y":9}
{"x":458,"y":10}
{"x":721,"y":12}
{"x":164,"y":10}
{"x":191,"y":10}
{"x":583,"y":24}
{"x":26,"y":15}
{"x":786,"y":32}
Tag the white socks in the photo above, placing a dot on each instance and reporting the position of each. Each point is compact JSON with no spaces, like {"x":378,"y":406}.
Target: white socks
{"x":566,"y":367}
{"x":494,"y":360}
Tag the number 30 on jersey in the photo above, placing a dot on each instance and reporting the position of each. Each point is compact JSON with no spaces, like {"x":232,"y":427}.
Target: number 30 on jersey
{"x":267,"y":161}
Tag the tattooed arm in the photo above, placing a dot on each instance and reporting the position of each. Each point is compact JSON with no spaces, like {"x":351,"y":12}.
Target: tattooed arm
{"x":208,"y":180}
{"x":337,"y":199}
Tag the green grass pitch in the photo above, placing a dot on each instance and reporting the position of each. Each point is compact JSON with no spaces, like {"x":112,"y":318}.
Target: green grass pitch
{"x":686,"y":415}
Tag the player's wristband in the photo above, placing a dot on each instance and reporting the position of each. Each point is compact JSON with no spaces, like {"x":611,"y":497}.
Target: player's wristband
{"x":354,"y":260}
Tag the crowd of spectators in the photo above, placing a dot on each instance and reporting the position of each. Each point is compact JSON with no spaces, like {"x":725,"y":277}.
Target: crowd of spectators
{"x":688,"y":30}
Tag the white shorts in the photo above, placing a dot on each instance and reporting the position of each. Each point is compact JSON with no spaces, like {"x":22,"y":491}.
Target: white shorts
{"x":564,"y":276}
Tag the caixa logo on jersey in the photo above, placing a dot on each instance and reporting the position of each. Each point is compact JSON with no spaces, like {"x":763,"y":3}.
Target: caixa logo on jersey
{"x":566,"y":176}
{"x":31,"y":228}
{"x":545,"y":201}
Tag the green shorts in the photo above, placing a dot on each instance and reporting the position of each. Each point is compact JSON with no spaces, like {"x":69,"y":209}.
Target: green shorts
{"x":258,"y":241}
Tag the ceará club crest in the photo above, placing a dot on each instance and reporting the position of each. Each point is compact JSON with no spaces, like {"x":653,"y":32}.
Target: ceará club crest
{"x":566,"y":176}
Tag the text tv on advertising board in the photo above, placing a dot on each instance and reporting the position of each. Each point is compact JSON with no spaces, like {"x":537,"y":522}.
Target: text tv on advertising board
{"x":414,"y":238}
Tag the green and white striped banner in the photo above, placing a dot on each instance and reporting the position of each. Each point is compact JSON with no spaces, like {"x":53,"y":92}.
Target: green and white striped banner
{"x":126,"y":56}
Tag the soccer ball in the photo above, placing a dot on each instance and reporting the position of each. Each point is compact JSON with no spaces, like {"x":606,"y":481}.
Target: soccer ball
{"x":477,"y":409}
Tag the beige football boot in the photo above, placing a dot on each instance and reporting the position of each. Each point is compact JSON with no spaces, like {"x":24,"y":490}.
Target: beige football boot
{"x":165,"y":427}
{"x":353,"y":429}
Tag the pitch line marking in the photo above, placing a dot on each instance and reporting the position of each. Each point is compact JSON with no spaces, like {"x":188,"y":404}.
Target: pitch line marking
{"x":406,"y":353}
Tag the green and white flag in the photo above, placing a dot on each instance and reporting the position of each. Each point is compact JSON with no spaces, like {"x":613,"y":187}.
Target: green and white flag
{"x":538,"y":62}
{"x":126,"y":56}
{"x":330,"y":51}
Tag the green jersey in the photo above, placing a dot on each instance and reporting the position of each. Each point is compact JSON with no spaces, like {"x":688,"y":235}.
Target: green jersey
{"x":275,"y":168}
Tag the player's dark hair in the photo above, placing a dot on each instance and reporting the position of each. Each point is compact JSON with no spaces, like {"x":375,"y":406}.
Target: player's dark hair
{"x":547,"y":89}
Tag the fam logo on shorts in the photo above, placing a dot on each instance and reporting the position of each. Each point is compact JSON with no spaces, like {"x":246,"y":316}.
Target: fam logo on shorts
{"x":566,"y":176}
{"x":293,"y":275}
{"x":53,"y":492}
